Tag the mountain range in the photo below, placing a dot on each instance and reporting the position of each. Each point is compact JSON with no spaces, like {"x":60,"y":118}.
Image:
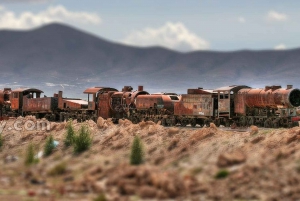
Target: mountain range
{"x":59,"y":57}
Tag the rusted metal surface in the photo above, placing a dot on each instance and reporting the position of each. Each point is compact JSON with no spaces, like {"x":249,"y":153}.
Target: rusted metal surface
{"x":266,"y":98}
{"x":199,"y":91}
{"x":94,"y":90}
{"x":74,"y":104}
{"x":194,"y":105}
{"x":224,"y":105}
{"x":144,"y":102}
{"x":39,"y":104}
{"x":5,"y":96}
{"x":135,"y":94}
{"x":104,"y":109}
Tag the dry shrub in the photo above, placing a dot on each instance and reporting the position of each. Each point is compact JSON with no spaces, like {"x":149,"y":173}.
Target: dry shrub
{"x":232,"y":158}
{"x":172,"y":131}
{"x":253,"y":130}
{"x":100,"y":122}
{"x":257,"y":139}
{"x":30,"y":117}
{"x":149,"y":182}
{"x":152,"y":129}
{"x":60,"y":126}
{"x":213,"y":126}
{"x":142,"y":124}
{"x":173,"y":144}
{"x":202,"y":134}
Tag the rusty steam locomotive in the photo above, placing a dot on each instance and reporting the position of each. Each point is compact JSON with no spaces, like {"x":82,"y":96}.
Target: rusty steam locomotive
{"x":272,"y":106}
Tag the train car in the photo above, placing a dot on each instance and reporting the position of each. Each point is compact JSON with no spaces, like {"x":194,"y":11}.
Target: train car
{"x":155,"y":107}
{"x":272,"y":106}
{"x":99,"y":101}
{"x":122,"y":103}
{"x":28,"y":101}
{"x":196,"y":107}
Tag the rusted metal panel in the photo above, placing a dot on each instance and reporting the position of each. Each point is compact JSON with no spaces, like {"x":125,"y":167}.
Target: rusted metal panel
{"x":224,"y":105}
{"x":194,"y":104}
{"x":5,"y":96}
{"x":239,"y":104}
{"x":104,"y":110}
{"x":94,"y":90}
{"x":14,"y":103}
{"x":270,"y":98}
{"x":74,"y":104}
{"x":39,"y":104}
{"x":91,"y":105}
{"x":199,"y":91}
{"x":149,"y":101}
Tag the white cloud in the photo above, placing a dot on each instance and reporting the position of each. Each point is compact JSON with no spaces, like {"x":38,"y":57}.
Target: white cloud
{"x":280,"y":47}
{"x":171,"y":35}
{"x":241,"y":20}
{"x":275,"y":16}
{"x":10,"y":20}
{"x":24,"y":1}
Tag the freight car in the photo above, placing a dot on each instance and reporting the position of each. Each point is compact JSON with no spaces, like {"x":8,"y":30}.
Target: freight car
{"x":272,"y":106}
{"x":238,"y":104}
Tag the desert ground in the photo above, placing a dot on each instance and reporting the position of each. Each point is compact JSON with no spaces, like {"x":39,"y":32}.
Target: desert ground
{"x":179,"y":163}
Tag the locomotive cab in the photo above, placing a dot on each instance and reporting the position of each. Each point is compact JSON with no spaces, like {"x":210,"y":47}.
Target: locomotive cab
{"x":225,"y":99}
{"x":98,"y":100}
{"x":18,"y":96}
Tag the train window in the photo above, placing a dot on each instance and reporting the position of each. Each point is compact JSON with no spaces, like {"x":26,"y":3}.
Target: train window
{"x":15,"y":95}
{"x":174,"y":97}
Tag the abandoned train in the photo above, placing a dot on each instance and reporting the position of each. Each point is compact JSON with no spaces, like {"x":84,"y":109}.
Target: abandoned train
{"x":272,"y":106}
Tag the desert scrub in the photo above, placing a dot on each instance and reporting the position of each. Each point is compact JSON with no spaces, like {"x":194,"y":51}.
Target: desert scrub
{"x":49,"y":146}
{"x":70,"y":134}
{"x":137,"y":152}
{"x":58,"y":169}
{"x":222,"y":174}
{"x":101,"y":197}
{"x":83,"y":140}
{"x":1,"y":140}
{"x":30,"y":155}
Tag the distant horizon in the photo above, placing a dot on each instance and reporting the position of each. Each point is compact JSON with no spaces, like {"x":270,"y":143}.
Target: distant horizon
{"x":176,"y":25}
{"x":143,"y":47}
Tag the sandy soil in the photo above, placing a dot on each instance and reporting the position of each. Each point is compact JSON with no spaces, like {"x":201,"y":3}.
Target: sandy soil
{"x":180,"y":164}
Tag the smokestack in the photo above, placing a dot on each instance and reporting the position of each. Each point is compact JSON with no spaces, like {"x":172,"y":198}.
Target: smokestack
{"x":289,"y":86}
{"x":140,"y":88}
{"x":60,"y":94}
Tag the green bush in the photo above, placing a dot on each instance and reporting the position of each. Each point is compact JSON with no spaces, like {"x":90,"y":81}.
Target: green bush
{"x":49,"y":146}
{"x":137,"y":153}
{"x":58,"y":169}
{"x":30,"y":158}
{"x":101,"y":197}
{"x":83,"y":140}
{"x":70,"y":135}
{"x":222,"y":174}
{"x":1,"y":140}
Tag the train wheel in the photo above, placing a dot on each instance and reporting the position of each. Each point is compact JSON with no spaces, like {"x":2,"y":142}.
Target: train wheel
{"x":135,"y":120}
{"x":183,"y":123}
{"x":267,"y":124}
{"x":227,"y":123}
{"x":217,"y":122}
{"x":193,"y":123}
{"x":163,"y":122}
{"x":243,"y":121}
{"x":251,"y":121}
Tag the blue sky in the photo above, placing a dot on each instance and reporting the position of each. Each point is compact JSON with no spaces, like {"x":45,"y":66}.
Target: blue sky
{"x":180,"y":25}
